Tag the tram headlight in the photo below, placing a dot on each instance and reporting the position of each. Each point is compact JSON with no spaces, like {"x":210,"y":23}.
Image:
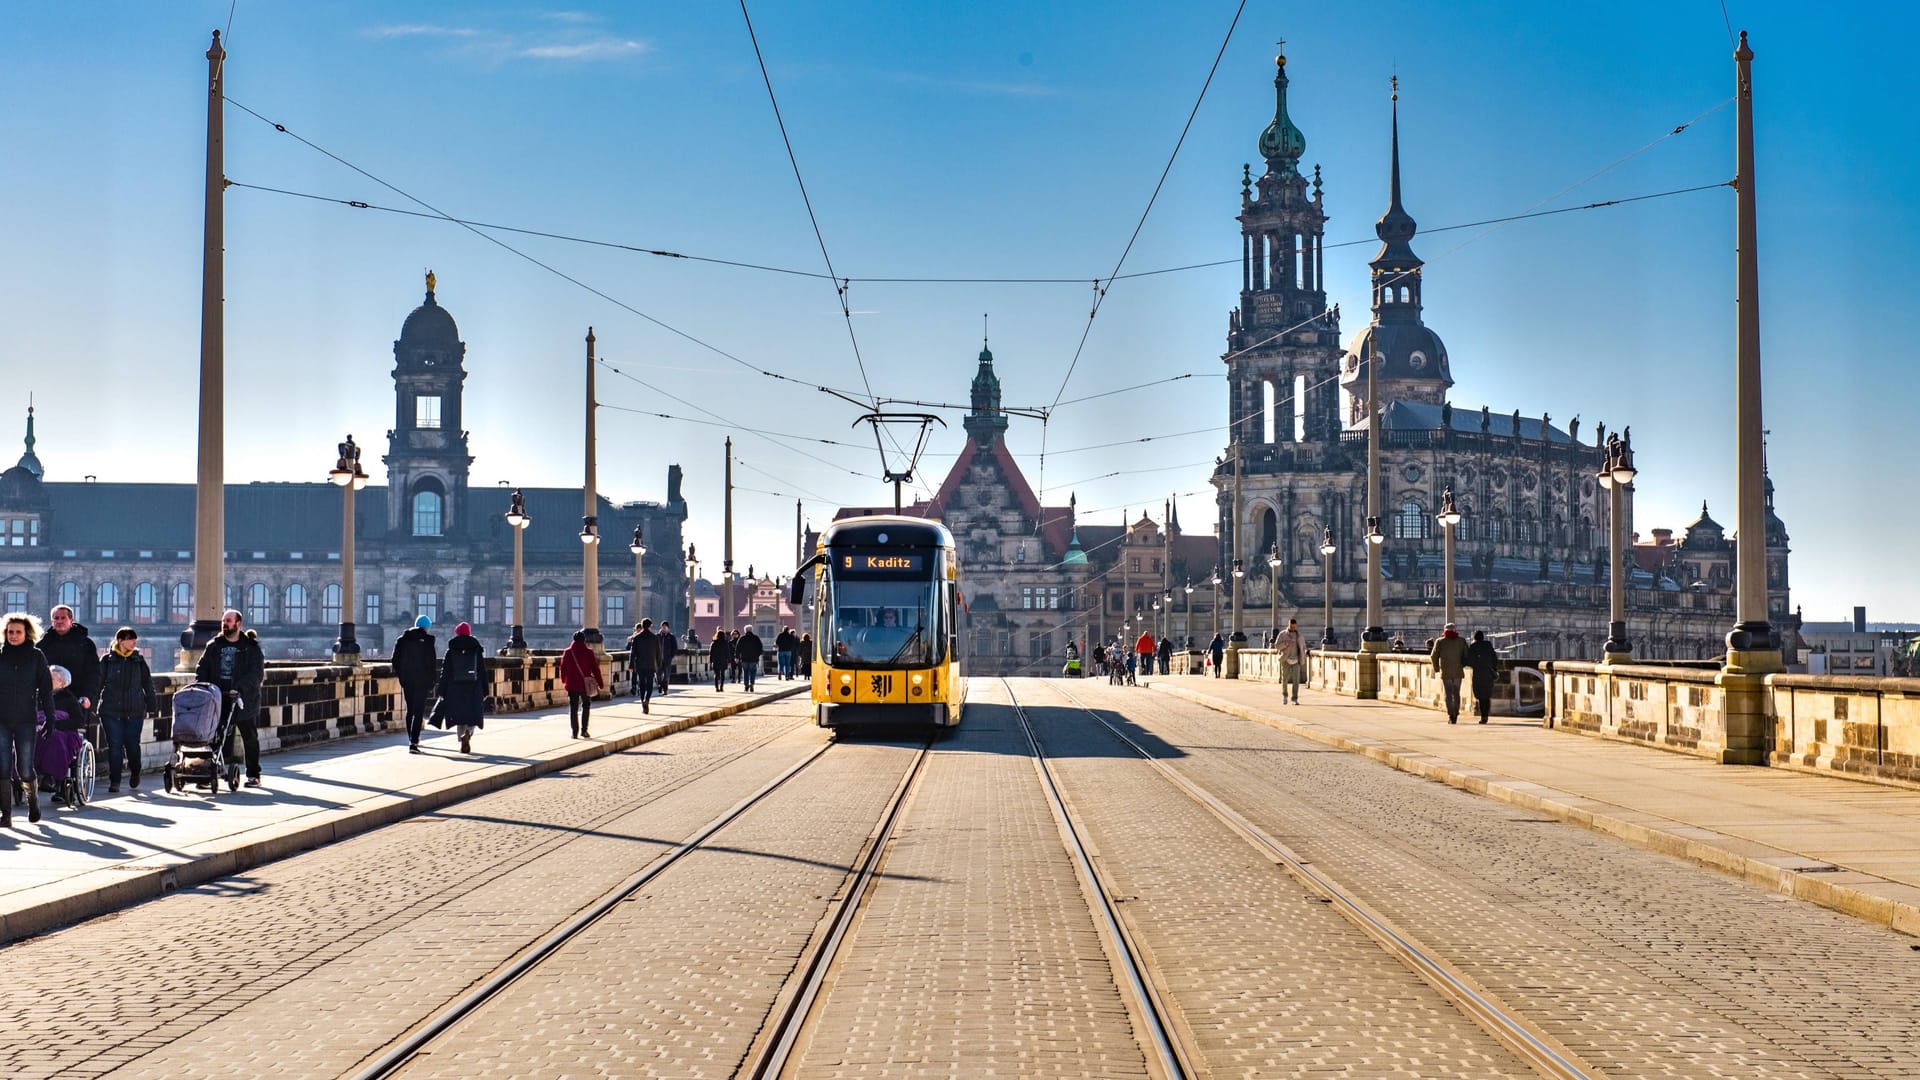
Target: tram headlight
{"x":918,"y":689}
{"x":846,"y":686}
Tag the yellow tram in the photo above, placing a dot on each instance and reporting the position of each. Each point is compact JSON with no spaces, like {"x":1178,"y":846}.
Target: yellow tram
{"x":885,"y":622}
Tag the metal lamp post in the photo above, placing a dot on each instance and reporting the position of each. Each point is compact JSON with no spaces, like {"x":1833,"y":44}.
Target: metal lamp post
{"x":590,"y":525}
{"x":1216,"y":603}
{"x":639,"y":550}
{"x":1186,"y":617}
{"x":351,"y":477}
{"x":1327,"y":550}
{"x":1273,"y":575}
{"x":1615,"y":475}
{"x":693,"y":573}
{"x":517,"y":518}
{"x":1449,"y":516}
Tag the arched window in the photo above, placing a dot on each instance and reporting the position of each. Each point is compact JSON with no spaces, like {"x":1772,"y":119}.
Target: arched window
{"x":1412,"y":522}
{"x":1299,"y":408}
{"x":68,"y":594}
{"x":1269,"y":532}
{"x":1529,"y":528}
{"x":1497,"y":527}
{"x":106,"y":603}
{"x":259,"y":604}
{"x":330,"y":604}
{"x":1584,"y":541}
{"x":296,"y":604}
{"x":426,"y":512}
{"x":1268,"y":420}
{"x":181,"y":608}
{"x":1406,"y":294}
{"x":146,"y":604}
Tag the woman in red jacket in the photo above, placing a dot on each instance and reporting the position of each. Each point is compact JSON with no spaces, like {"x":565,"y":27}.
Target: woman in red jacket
{"x":580,"y":671}
{"x":1145,"y":648}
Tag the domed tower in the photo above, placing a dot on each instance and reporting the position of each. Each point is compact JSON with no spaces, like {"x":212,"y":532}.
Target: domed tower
{"x":1283,"y":345}
{"x":1412,"y":360}
{"x":427,"y":456}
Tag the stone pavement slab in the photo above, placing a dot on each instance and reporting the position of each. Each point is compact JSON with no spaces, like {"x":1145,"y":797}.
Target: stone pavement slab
{"x":121,"y":849}
{"x":1844,"y":844}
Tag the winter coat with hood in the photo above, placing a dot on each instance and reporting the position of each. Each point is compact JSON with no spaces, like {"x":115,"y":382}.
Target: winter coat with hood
{"x":463,"y":684}
{"x":1483,"y":661}
{"x":721,"y":651}
{"x":26,"y":686}
{"x":415,"y":660}
{"x":577,"y":665}
{"x":76,"y":652}
{"x":249,"y":667}
{"x":126,"y":686}
{"x":1449,"y":655}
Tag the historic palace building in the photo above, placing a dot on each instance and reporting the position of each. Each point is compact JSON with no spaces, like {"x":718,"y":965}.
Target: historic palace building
{"x":1532,"y":550}
{"x":425,"y":542}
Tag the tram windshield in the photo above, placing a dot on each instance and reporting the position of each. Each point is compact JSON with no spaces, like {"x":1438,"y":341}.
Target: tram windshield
{"x":880,"y":622}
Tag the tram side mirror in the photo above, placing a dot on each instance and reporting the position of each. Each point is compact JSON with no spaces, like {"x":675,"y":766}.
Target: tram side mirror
{"x":797,"y":590}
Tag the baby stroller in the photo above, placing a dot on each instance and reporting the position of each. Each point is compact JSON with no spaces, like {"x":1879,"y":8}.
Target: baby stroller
{"x":64,"y":757}
{"x":201,"y":717}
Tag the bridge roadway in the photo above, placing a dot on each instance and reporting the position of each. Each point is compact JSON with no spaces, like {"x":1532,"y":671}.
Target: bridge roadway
{"x":977,"y":950}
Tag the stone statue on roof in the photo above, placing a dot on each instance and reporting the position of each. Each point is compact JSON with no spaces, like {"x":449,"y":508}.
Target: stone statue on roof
{"x":1486,"y":419}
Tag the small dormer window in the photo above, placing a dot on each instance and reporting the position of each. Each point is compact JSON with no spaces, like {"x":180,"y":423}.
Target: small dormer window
{"x":426,"y":411}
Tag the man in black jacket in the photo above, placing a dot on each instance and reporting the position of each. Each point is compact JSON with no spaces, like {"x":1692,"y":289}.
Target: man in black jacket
{"x":233,"y":662}
{"x":643,"y":661}
{"x":1484,"y":662}
{"x":67,"y":645}
{"x":669,"y":648}
{"x":416,"y":663}
{"x":748,"y":650}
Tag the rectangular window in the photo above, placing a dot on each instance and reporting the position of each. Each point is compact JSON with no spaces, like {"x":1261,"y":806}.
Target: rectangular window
{"x":576,"y":610}
{"x":479,"y":607}
{"x":547,"y":610}
{"x":616,"y":612}
{"x":1026,"y":597}
{"x":428,"y":604}
{"x":506,"y":609}
{"x":373,"y":609}
{"x":1039,"y":646}
{"x":1133,"y":564}
{"x":426,"y":411}
{"x":16,"y":600}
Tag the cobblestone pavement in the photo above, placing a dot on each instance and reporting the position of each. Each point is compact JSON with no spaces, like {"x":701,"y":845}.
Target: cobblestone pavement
{"x":304,"y":966}
{"x":678,"y":981}
{"x":976,"y":956}
{"x":1644,"y":965}
{"x":1267,"y":980}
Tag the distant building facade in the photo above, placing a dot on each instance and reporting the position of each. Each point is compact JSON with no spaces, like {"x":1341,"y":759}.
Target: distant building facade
{"x":425,"y":543}
{"x":1532,"y":552}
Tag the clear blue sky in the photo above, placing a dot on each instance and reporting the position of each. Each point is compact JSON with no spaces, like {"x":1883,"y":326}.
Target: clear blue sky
{"x":983,"y":139}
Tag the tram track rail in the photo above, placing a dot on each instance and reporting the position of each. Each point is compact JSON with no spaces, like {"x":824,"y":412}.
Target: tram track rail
{"x":1175,"y":1060}
{"x":791,"y":1007}
{"x":1511,"y":1028}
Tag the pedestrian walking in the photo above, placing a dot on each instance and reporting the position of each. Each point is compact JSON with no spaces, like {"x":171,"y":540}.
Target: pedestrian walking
{"x":643,"y":659}
{"x":66,"y":644}
{"x":233,"y":662}
{"x":580,"y":672}
{"x":462,"y":691}
{"x":669,"y":647}
{"x":720,"y":655}
{"x":1164,"y":657}
{"x":26,"y":690}
{"x":805,"y":658}
{"x":1449,"y":658}
{"x":1485,"y":664}
{"x":1217,"y":650}
{"x":126,"y":700}
{"x":1291,"y":649}
{"x":416,"y":663}
{"x":1144,"y":648}
{"x":748,"y":650}
{"x":784,"y":644}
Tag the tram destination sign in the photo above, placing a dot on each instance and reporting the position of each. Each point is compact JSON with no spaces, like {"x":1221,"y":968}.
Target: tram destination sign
{"x":882,"y":563}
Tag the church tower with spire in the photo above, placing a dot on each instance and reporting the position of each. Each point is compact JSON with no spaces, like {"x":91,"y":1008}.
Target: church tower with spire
{"x":1412,"y":362}
{"x":985,"y":422}
{"x":427,"y":457}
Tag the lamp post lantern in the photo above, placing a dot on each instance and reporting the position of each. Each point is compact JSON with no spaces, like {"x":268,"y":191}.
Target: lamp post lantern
{"x":1449,"y":517}
{"x":1327,"y":550}
{"x":693,"y":572}
{"x":1186,"y":616}
{"x":1616,"y":475}
{"x":1374,"y":638}
{"x":639,"y":550}
{"x":351,"y":477}
{"x":590,"y":525}
{"x":1273,"y":578}
{"x":518,"y":520}
{"x":1216,"y":603}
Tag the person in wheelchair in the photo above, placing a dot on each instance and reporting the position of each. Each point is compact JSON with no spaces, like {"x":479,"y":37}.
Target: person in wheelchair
{"x":61,"y":736}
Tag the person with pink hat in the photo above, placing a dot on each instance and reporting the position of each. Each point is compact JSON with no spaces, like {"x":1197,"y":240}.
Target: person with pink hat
{"x":463,"y":687}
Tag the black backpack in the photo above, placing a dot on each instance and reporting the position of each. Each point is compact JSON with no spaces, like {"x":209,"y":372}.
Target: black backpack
{"x":466,"y":666}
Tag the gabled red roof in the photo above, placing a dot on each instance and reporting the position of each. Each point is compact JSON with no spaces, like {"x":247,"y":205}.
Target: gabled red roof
{"x":1056,"y":521}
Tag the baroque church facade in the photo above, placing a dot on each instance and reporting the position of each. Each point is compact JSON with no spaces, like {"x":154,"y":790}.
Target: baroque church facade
{"x":1532,"y":551}
{"x":425,"y":542}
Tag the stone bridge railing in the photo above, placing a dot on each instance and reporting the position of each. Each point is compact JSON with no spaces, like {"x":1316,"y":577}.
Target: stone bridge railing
{"x":301,"y":705}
